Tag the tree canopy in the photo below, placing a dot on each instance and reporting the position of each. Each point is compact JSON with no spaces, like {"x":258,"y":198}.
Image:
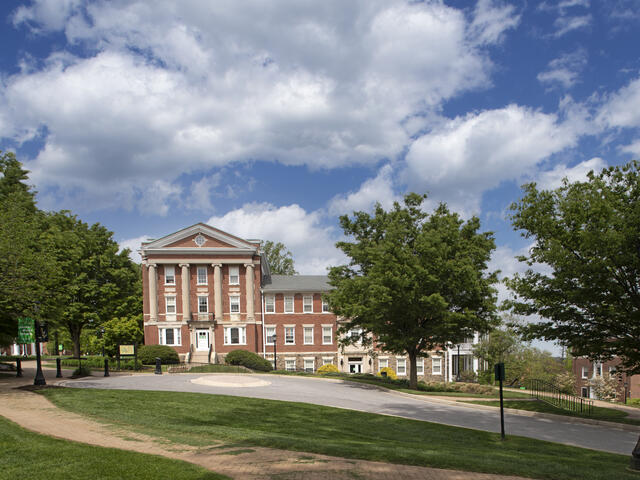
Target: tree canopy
{"x":279,"y":257}
{"x":415,"y":280}
{"x":586,"y":236}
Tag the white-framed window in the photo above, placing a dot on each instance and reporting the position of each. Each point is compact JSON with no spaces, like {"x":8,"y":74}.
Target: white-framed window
{"x":289,"y":335}
{"x":288,"y":304}
{"x":235,"y":335}
{"x":290,"y":364}
{"x":269,"y":333}
{"x":585,"y":372}
{"x":356,"y":335}
{"x":169,"y":275}
{"x":269,"y":304}
{"x":234,"y":275}
{"x":234,"y":303}
{"x":419,"y":366}
{"x":598,"y":368}
{"x":327,"y":335}
{"x":203,"y":304}
{"x":170,"y":305}
{"x":202,"y":275}
{"x":325,"y":306}
{"x":382,"y":363}
{"x":401,"y":366}
{"x":436,"y":366}
{"x":307,"y":304}
{"x":584,"y":392}
{"x":308,"y":335}
{"x":309,"y":365}
{"x":612,"y":370}
{"x":327,"y":360}
{"x":170,"y":336}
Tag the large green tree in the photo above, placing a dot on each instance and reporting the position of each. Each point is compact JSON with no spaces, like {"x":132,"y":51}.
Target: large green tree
{"x":98,"y":281}
{"x":586,"y":235}
{"x":27,"y":273}
{"x":415,"y":280}
{"x":279,"y":257}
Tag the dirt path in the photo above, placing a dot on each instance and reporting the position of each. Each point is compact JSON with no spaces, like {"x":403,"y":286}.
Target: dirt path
{"x":241,"y":463}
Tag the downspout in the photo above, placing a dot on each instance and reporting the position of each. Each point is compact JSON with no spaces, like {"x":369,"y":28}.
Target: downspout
{"x":264,"y":340}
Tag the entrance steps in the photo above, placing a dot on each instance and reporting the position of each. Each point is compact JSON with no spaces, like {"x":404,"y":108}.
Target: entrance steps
{"x":200,"y":357}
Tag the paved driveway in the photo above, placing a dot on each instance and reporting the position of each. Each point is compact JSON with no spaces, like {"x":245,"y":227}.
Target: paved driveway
{"x":366,"y":398}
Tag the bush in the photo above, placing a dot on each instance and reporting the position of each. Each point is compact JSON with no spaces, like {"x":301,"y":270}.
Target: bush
{"x":147,"y":354}
{"x":634,"y":402}
{"x":389,"y":371}
{"x":82,"y":371}
{"x":328,"y":368}
{"x":248,"y":359}
{"x":97,"y":361}
{"x":468,"y":376}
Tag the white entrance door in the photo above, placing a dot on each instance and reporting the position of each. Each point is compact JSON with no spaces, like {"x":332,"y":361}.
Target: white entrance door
{"x":355,"y":364}
{"x":202,"y":340}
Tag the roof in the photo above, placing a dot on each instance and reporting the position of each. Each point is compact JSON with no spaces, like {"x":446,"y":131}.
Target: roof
{"x":296,"y":283}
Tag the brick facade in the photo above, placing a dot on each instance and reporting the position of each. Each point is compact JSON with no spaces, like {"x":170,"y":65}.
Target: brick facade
{"x":585,"y":370}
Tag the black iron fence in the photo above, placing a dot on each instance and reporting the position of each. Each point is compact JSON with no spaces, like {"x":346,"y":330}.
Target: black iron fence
{"x":550,"y":393}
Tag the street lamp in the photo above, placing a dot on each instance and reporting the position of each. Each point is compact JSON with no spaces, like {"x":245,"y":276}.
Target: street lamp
{"x":39,"y":379}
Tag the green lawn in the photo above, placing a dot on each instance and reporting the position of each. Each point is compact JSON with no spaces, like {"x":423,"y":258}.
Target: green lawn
{"x":598,"y":413}
{"x":201,"y":419}
{"x":24,"y":454}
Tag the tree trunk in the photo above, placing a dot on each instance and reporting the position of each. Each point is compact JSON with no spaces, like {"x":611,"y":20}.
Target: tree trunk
{"x":75,"y":330}
{"x":413,"y":374}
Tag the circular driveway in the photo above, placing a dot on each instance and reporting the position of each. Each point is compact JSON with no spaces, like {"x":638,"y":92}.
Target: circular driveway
{"x":367,"y":398}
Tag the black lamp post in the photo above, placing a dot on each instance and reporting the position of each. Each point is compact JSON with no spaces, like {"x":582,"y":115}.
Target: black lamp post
{"x":39,"y":379}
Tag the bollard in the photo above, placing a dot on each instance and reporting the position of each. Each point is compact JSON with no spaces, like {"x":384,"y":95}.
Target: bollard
{"x":106,"y":367}
{"x":158,"y":366}
{"x":58,"y":368}
{"x":635,"y":457}
{"x":18,"y":367}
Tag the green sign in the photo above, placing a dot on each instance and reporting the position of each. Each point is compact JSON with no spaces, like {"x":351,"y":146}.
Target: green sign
{"x":26,"y":330}
{"x":61,"y":347}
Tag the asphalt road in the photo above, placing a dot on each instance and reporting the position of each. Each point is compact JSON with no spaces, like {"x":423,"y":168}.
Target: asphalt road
{"x":366,"y":398}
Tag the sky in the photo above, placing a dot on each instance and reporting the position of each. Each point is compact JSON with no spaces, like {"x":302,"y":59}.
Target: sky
{"x":271,"y":119}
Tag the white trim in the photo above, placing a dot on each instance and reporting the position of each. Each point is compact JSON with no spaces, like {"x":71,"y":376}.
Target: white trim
{"x":242,"y":335}
{"x":273,"y":300}
{"x":304,"y":335}
{"x":304,"y":304}
{"x":433,"y":370}
{"x":267,"y":337}
{"x":293,"y":304}
{"x":420,"y":366}
{"x":172,"y":269}
{"x":285,"y":334}
{"x":230,"y":304}
{"x":330,"y":327}
{"x":585,"y":372}
{"x":290,"y":359}
{"x":398,"y":360}
{"x":177,"y":336}
{"x":166,"y":305}
{"x":194,"y":230}
{"x":236,"y":270}
{"x":206,"y":297}
{"x":206,"y":275}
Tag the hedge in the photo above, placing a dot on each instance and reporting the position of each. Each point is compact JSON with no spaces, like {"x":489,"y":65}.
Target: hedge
{"x":328,"y":368}
{"x":147,"y":354}
{"x":248,"y":359}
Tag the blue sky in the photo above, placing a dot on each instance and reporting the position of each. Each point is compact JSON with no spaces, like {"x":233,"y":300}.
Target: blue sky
{"x":270,"y":119}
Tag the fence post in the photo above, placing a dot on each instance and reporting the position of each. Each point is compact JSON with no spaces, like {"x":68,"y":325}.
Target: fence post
{"x":58,"y":368}
{"x":106,"y":367}
{"x":158,"y":366}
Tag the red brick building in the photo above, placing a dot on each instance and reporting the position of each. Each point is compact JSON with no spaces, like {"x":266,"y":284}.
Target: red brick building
{"x":207,"y":292}
{"x":585,"y":370}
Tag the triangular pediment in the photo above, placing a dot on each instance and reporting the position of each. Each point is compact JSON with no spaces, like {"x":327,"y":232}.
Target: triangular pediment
{"x":198,"y":236}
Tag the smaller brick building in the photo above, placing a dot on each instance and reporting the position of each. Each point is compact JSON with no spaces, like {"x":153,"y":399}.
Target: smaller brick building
{"x":585,"y":370}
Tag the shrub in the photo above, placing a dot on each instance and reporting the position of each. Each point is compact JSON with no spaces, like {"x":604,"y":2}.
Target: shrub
{"x":147,"y":354}
{"x":389,"y":371}
{"x":605,"y":387}
{"x":82,"y":371}
{"x":634,"y":402}
{"x":468,"y":376}
{"x":248,"y":359}
{"x":328,"y":368}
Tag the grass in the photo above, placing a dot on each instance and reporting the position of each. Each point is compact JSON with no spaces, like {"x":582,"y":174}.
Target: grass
{"x":25,"y":454}
{"x":386,"y":384}
{"x":202,"y":419}
{"x":598,"y":413}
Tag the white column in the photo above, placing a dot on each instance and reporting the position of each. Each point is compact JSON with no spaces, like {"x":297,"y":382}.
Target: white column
{"x":153,"y":293}
{"x":250,"y":293}
{"x":217,"y":290}
{"x":186,"y":300}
